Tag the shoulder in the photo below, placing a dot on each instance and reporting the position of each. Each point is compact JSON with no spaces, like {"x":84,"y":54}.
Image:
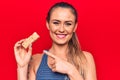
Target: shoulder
{"x":91,"y":68}
{"x":90,"y":73}
{"x":35,"y":62}
{"x":88,"y":55}
{"x":37,"y":57}
{"x":90,"y":59}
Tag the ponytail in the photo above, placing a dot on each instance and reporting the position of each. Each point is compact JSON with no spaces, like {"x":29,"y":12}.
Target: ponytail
{"x":75,"y":55}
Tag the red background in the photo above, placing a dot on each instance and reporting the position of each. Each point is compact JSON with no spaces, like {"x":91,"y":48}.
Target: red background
{"x":98,"y":32}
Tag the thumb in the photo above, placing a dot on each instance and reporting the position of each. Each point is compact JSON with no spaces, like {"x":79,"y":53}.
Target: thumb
{"x":49,"y":54}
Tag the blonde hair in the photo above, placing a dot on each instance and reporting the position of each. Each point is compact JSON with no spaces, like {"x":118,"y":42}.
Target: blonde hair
{"x":75,"y":54}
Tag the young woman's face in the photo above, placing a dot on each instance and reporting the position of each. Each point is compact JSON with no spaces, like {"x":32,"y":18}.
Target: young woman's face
{"x":61,"y":25}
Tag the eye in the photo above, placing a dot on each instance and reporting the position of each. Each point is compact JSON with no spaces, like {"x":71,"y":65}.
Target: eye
{"x":68,"y":24}
{"x":56,"y":23}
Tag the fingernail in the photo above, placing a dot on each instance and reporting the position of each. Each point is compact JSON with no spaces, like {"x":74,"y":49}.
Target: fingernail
{"x":45,"y":51}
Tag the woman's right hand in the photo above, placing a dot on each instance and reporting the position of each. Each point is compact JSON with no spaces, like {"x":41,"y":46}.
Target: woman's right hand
{"x":22,"y":55}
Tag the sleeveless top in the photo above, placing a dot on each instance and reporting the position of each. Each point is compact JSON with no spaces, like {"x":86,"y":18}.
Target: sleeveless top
{"x":45,"y":73}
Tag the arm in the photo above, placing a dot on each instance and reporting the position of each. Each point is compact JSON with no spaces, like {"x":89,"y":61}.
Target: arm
{"x":22,"y":58}
{"x":27,"y":72}
{"x":23,"y":55}
{"x":22,"y":72}
{"x":90,"y":69}
{"x":31,"y":71}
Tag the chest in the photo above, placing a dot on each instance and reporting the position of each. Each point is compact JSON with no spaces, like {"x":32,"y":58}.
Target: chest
{"x":45,"y":73}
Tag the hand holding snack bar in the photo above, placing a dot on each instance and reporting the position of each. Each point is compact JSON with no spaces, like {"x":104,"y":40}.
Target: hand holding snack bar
{"x":23,"y":49}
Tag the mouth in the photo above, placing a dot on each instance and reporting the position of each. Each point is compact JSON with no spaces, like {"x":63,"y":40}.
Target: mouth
{"x":61,"y":36}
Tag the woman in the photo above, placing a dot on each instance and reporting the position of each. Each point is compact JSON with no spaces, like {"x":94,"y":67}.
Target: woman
{"x":64,"y":60}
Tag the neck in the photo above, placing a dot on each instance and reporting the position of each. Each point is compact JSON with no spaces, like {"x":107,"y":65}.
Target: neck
{"x":59,"y":50}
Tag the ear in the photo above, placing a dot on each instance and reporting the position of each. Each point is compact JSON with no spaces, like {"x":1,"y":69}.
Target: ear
{"x":75,"y":27}
{"x":47,"y":25}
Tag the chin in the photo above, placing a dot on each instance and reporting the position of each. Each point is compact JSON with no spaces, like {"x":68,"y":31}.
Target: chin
{"x":61,"y":42}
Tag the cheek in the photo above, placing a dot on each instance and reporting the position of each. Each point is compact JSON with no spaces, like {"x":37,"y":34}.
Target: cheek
{"x":52,"y":28}
{"x":70,"y":30}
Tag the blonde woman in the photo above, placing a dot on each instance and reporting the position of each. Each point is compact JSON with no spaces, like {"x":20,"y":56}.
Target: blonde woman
{"x":64,"y":60}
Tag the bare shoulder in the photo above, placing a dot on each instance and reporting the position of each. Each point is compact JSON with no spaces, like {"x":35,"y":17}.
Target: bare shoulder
{"x":35,"y":61}
{"x":90,"y":59}
{"x":91,"y":68}
{"x":88,"y":56}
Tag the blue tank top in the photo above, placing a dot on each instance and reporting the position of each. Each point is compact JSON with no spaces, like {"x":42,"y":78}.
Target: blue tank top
{"x":45,"y":73}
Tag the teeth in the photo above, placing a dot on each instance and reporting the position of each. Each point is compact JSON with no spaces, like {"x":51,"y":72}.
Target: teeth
{"x":61,"y":35}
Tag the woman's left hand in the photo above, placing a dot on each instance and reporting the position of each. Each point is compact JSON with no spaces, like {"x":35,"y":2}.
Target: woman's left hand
{"x":60,"y":65}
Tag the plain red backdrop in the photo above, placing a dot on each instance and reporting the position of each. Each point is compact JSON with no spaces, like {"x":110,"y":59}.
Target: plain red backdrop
{"x":98,"y":32}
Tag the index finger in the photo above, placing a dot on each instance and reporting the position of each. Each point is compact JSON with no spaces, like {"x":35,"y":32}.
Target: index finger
{"x":49,"y":54}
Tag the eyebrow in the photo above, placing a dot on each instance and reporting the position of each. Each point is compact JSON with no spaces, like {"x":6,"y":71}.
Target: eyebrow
{"x":56,"y":20}
{"x":60,"y":21}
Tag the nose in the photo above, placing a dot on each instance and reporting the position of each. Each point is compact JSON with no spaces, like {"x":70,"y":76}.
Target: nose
{"x":61,"y":28}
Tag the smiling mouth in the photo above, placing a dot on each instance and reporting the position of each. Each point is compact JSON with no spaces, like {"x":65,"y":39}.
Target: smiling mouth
{"x":61,"y":36}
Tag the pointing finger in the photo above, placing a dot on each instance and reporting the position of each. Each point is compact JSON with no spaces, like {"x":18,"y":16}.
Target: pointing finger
{"x":49,"y":54}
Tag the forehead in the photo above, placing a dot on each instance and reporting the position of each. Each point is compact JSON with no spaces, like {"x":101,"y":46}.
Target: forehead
{"x":62,"y":14}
